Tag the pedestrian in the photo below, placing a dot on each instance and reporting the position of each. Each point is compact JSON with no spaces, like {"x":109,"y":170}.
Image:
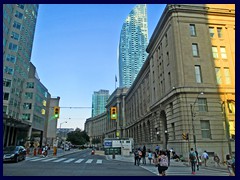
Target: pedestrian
{"x":157,"y":148}
{"x":155,"y":156}
{"x":163,"y":163}
{"x":168,"y":155}
{"x":144,"y":155}
{"x":205,"y":157}
{"x":216,"y":160}
{"x":230,"y":163}
{"x":198,"y":160}
{"x":149,"y":156}
{"x":135,"y":156}
{"x":193,"y":160}
{"x":139,"y":156}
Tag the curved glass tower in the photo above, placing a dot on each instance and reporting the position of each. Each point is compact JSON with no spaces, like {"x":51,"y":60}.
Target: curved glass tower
{"x":133,"y":44}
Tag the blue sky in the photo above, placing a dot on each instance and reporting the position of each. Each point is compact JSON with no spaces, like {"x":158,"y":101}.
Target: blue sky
{"x":75,"y":52}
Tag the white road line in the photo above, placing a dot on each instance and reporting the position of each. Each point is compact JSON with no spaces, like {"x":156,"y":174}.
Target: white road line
{"x":89,"y":161}
{"x":46,"y":160}
{"x":69,"y":160}
{"x":99,"y":161}
{"x":61,"y":159}
{"x":36,"y":159}
{"x":79,"y":161}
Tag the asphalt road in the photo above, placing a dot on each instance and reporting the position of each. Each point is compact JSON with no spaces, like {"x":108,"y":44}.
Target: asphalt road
{"x":81,"y":163}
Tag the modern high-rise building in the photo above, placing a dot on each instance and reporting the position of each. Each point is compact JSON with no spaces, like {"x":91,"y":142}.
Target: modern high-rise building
{"x":99,"y":101}
{"x":132,"y":45}
{"x":19,"y":22}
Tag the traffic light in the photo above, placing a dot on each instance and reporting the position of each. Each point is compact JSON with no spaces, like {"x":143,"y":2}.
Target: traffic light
{"x":184,"y":136}
{"x":113,"y":113}
{"x":56,"y":111}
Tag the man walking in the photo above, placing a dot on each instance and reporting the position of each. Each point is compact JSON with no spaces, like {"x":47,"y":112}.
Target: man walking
{"x":193,"y":160}
{"x":205,"y":157}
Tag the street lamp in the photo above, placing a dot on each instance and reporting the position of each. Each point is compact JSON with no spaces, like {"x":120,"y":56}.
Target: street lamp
{"x":166,"y":137}
{"x":193,"y":128}
{"x":62,"y":123}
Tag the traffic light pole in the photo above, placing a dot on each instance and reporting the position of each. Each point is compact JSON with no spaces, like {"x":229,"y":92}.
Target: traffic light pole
{"x":194,"y":136}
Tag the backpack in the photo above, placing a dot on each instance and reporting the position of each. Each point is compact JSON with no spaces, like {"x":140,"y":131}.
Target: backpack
{"x":140,"y":153}
{"x":163,"y":161}
{"x":192,"y":156}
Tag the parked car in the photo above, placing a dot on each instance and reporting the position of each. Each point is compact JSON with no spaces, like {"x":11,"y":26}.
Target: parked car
{"x":14,"y":153}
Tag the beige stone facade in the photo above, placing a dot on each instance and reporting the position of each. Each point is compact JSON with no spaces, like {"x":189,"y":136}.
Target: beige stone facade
{"x":187,"y":83}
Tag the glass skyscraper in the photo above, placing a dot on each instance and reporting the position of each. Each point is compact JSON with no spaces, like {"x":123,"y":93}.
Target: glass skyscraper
{"x":132,"y":45}
{"x":99,"y":101}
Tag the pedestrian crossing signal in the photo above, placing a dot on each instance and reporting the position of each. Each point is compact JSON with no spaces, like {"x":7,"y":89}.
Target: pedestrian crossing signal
{"x":56,"y":111}
{"x":113,"y":113}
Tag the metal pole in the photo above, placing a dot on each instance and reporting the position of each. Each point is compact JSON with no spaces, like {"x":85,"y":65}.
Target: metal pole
{"x":227,"y":128}
{"x":194,"y":136}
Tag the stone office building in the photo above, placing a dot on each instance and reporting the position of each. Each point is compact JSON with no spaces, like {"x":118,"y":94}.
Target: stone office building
{"x":187,"y":84}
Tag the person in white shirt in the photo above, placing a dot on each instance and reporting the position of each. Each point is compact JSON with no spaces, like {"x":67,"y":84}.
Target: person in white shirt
{"x":205,"y":157}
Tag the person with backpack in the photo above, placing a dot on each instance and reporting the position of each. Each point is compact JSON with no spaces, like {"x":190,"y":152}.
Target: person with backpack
{"x":163,"y":163}
{"x":193,"y":160}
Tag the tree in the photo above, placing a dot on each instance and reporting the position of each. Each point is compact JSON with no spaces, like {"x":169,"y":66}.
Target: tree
{"x":78,"y":137}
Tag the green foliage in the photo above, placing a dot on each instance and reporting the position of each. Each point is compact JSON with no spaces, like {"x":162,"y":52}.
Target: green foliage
{"x":78,"y":137}
{"x":96,"y":141}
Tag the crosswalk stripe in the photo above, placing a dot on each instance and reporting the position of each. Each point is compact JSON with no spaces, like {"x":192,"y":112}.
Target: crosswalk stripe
{"x":36,"y":159}
{"x":89,"y":160}
{"x":99,"y":161}
{"x":78,"y":161}
{"x":46,"y":160}
{"x":69,"y":160}
{"x":61,"y":159}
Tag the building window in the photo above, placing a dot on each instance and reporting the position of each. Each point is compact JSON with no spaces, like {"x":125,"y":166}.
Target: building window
{"x":18,"y":15}
{"x":8,"y":70}
{"x":223,"y":52}
{"x":215,"y":52}
{"x":25,"y":116}
{"x":11,"y":58}
{"x":219,"y":31}
{"x":169,"y":80}
{"x":173,"y":130}
{"x":202,"y":105}
{"x":17,"y":25}
{"x":205,"y":129}
{"x":28,"y":95}
{"x":195,"y":50}
{"x":30,"y":84}
{"x":211,"y":32}
{"x":20,"y":6}
{"x":192,"y":30}
{"x":5,"y":96}
{"x":198,"y":74}
{"x":15,"y":36}
{"x":227,"y":76}
{"x":13,"y":47}
{"x":6,"y":82}
{"x":218,"y":75}
{"x":27,"y":106}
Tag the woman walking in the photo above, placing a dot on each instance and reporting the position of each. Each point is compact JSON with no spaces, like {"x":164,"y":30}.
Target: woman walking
{"x":163,"y":163}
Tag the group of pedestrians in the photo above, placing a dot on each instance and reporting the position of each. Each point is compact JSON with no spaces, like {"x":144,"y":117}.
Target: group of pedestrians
{"x":196,"y":161}
{"x":160,"y":158}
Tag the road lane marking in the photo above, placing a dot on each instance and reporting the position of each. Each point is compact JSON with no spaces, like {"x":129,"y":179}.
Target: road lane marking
{"x":79,"y":161}
{"x":61,"y":159}
{"x":89,"y":161}
{"x":36,"y":159}
{"x":99,"y":161}
{"x":69,"y":160}
{"x":46,"y":160}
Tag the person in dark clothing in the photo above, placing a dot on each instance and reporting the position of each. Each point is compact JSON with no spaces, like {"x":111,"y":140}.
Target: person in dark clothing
{"x":144,"y":155}
{"x":168,"y":155}
{"x":135,"y":157}
{"x":197,"y":163}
